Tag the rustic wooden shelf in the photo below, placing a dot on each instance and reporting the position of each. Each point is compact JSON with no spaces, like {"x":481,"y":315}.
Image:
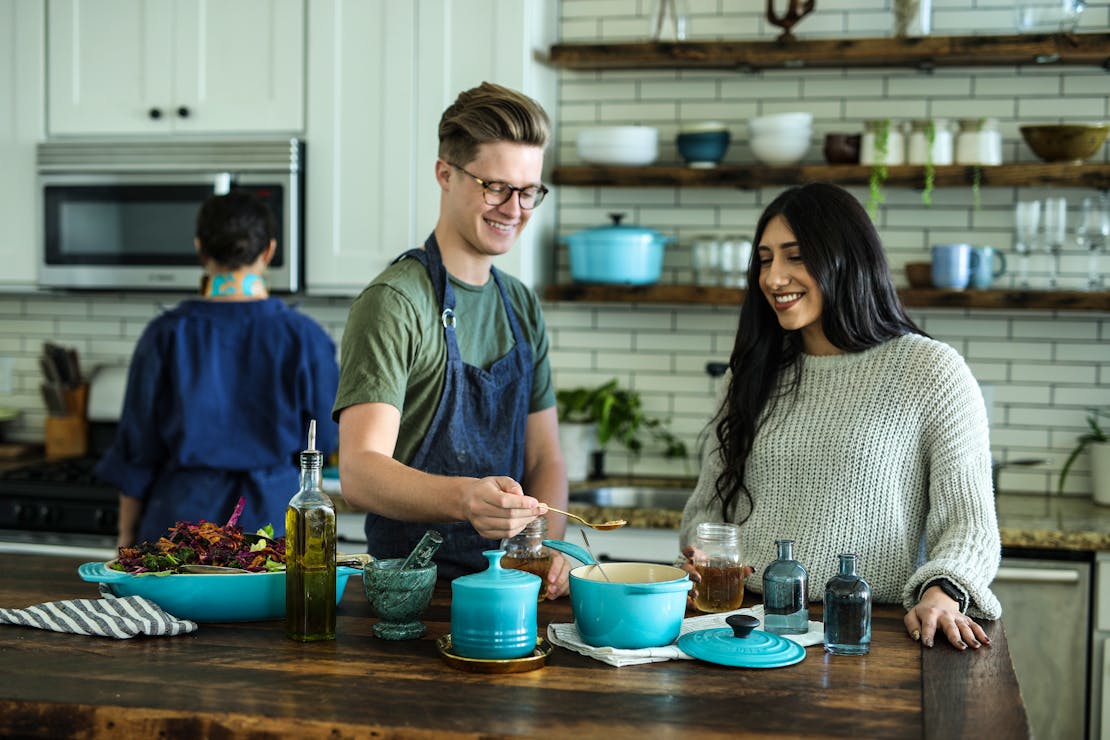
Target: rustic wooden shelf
{"x":746,"y":177}
{"x":1064,"y":300}
{"x":926,"y":53}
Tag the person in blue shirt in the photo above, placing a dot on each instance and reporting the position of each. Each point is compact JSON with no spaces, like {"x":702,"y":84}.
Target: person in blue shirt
{"x":220,"y":391}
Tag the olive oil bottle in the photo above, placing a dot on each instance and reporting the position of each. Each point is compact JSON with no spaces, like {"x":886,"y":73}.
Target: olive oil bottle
{"x":310,"y":553}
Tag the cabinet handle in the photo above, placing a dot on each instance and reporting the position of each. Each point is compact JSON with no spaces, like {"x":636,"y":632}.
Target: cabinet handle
{"x":1036,"y":575}
{"x":183,"y":112}
{"x":155,"y":113}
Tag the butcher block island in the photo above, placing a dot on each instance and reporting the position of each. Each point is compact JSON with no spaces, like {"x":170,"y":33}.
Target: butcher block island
{"x":249,"y":680}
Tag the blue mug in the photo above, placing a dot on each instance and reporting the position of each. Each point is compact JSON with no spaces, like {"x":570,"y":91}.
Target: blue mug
{"x":982,"y":266}
{"x":951,"y":266}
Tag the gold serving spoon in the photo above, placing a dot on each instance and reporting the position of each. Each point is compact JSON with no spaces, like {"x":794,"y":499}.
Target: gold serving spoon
{"x":614,"y":524}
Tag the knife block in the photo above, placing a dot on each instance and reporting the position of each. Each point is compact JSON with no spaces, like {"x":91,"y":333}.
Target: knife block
{"x":68,"y":436}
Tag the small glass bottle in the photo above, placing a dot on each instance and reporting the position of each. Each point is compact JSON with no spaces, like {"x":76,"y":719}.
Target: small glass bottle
{"x":717,"y":560}
{"x":785,"y":584}
{"x":525,"y":551}
{"x":310,"y":553}
{"x":847,"y":610}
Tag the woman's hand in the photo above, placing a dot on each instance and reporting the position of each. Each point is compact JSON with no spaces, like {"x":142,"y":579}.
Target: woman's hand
{"x":939,"y":612}
{"x":558,"y":577}
{"x":686,"y":562}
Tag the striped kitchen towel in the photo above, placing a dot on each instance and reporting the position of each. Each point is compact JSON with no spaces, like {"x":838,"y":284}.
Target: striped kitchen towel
{"x":111,"y":616}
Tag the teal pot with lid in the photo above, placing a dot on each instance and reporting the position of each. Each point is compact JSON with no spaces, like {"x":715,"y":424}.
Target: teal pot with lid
{"x":640,"y":606}
{"x":493,"y":612}
{"x":617,"y":254}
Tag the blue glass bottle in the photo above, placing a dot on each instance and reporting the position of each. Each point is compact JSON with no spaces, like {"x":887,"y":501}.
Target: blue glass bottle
{"x":785,"y":584}
{"x":847,"y":610}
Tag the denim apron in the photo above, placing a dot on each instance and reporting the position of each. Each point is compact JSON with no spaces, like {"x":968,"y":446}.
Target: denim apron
{"x":477,"y":430}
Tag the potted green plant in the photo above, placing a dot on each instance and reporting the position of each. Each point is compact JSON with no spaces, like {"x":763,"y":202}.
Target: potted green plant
{"x":590,"y":418}
{"x":1098,"y":441}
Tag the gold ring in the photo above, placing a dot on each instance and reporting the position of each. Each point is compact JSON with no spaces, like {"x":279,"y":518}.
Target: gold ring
{"x":916,"y":635}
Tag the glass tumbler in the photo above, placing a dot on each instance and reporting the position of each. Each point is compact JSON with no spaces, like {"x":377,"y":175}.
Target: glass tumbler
{"x":1027,"y":221}
{"x":1092,"y":234}
{"x":1055,"y":223}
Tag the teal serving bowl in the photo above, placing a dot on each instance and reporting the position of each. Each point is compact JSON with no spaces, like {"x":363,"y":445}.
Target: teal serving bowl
{"x":702,"y":149}
{"x":207,"y":597}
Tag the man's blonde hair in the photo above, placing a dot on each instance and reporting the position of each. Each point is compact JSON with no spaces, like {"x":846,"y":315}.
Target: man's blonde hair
{"x":490,"y":113}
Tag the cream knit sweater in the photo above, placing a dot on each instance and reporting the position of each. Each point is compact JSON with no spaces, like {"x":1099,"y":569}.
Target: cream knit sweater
{"x":884,"y":453}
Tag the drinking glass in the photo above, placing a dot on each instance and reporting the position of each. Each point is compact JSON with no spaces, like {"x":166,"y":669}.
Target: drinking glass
{"x":1055,"y":220}
{"x":1092,"y":234}
{"x":1027,"y":220}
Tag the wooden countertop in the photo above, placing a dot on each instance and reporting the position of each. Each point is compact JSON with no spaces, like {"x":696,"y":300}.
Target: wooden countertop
{"x":248,"y":679}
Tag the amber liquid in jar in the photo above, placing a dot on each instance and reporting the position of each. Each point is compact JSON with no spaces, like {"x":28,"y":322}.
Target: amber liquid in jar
{"x":537,"y":565}
{"x":721,"y":589}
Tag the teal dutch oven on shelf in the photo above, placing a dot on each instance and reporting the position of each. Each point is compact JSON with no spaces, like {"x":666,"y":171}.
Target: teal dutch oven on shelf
{"x":617,"y":254}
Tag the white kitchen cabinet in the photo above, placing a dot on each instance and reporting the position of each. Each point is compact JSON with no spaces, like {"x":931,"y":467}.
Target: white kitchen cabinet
{"x":1046,"y":611}
{"x":175,"y":66}
{"x":21,"y":126}
{"x":380,"y":74}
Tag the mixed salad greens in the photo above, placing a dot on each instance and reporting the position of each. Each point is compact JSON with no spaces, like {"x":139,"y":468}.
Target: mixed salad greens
{"x":205,"y":543}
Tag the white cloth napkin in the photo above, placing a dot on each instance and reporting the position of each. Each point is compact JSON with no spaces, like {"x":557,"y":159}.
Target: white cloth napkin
{"x":111,"y":616}
{"x":566,"y":635}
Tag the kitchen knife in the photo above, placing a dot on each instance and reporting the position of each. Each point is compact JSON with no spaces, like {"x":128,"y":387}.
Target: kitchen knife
{"x":54,"y":398}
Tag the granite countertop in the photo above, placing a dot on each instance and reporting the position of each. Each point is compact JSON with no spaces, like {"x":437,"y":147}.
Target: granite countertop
{"x":1027,"y":521}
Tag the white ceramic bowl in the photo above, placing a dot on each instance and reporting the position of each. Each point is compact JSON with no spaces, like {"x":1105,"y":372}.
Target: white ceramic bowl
{"x":779,"y":122}
{"x":779,"y":149}
{"x":619,"y":145}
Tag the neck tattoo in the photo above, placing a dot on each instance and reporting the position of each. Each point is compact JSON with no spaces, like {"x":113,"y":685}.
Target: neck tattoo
{"x":232,"y":284}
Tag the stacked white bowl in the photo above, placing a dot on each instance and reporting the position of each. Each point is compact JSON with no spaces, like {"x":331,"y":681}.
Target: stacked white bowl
{"x":619,"y":145}
{"x":780,"y":138}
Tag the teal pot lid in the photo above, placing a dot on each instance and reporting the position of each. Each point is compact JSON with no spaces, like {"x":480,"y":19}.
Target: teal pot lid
{"x":740,"y":645}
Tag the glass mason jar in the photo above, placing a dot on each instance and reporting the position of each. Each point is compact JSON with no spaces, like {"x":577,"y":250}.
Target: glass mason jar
{"x":717,"y":560}
{"x":526,"y":552}
{"x":847,"y":610}
{"x":785,"y":584}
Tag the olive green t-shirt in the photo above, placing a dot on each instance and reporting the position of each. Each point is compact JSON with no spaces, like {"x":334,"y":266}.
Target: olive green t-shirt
{"x":393,"y":349}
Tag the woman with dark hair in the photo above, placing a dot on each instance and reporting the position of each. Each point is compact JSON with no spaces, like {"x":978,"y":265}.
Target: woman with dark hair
{"x":847,"y":429}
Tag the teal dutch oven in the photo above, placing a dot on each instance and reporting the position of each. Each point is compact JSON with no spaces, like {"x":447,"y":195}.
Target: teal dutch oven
{"x":617,"y":254}
{"x":640,"y":606}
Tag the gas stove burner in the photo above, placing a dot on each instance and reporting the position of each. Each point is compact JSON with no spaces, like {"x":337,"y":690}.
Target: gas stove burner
{"x":58,"y":496}
{"x":73,"y":470}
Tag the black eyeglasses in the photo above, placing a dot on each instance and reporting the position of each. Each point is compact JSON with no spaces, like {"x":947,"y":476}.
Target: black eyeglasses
{"x":498,"y":193}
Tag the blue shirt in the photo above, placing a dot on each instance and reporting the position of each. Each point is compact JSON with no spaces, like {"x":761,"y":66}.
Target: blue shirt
{"x":219,"y":397}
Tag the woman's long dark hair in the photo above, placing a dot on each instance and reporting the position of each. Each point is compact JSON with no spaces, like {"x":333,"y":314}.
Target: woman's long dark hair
{"x":843,"y":253}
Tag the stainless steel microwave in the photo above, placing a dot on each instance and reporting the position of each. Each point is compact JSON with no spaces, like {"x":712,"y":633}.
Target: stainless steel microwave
{"x":122,"y":215}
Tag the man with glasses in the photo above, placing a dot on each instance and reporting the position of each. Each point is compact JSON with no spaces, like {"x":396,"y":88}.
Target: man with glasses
{"x":445,"y":405}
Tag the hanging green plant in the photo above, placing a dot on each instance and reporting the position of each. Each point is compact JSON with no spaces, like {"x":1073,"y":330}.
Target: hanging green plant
{"x":878,"y":169}
{"x":930,"y":169}
{"x":976,"y":180}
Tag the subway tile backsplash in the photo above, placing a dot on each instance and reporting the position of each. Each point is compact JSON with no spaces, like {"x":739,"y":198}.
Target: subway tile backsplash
{"x":1043,"y":369}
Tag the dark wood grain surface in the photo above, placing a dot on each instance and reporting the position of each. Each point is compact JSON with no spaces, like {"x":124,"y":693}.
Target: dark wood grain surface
{"x":924,"y":52}
{"x":683,"y":294}
{"x":752,"y":176}
{"x":232,"y":680}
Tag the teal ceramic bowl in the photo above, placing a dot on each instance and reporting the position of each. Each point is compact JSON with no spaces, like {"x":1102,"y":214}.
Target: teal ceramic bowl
{"x":702,"y":149}
{"x":219,"y":597}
